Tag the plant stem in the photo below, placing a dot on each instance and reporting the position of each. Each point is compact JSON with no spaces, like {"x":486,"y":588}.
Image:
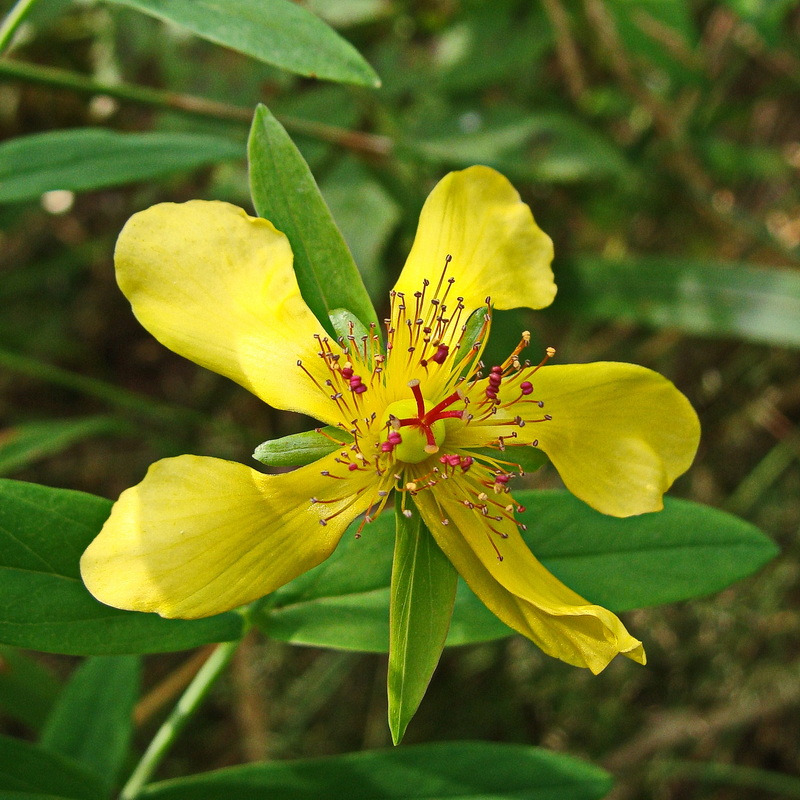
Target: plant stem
{"x":185,"y":708}
{"x":13,"y":20}
{"x":368,"y":143}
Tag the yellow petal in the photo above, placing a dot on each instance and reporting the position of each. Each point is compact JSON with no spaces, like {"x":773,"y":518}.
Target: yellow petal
{"x":199,"y":536}
{"x":217,"y":286}
{"x":476,"y":216}
{"x":619,"y":436}
{"x":521,"y":592}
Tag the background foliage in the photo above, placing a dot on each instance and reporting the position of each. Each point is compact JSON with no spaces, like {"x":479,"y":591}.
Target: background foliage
{"x":657,"y":142}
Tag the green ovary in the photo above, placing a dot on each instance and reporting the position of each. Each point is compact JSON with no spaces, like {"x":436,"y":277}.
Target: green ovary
{"x":412,"y":449}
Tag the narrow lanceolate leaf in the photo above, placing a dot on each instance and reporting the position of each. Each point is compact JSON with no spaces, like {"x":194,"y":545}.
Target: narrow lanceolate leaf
{"x":285,"y":193}
{"x":687,"y":550}
{"x":278,"y":32}
{"x":29,"y":442}
{"x":31,"y":770}
{"x":92,"y":722}
{"x":28,"y":689}
{"x":463,"y":770}
{"x":757,"y":304}
{"x":94,"y":158}
{"x":299,"y":449}
{"x":423,"y":590}
{"x":43,"y":602}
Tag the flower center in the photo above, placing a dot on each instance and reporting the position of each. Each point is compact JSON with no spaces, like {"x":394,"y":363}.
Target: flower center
{"x":415,"y":431}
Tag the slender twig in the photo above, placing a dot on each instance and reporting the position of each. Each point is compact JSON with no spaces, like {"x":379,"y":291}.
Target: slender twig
{"x":566,"y":49}
{"x":250,"y":707}
{"x":13,"y":20}
{"x":368,"y":143}
{"x":670,"y":127}
{"x":769,"y":692}
{"x":184,"y":710}
{"x":171,"y":686}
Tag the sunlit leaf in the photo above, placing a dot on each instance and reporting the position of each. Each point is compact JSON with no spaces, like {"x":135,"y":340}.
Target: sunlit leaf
{"x":94,"y":158}
{"x":43,"y":602}
{"x":687,"y":550}
{"x":423,"y":589}
{"x":285,"y":192}
{"x":299,"y":449}
{"x":278,"y":32}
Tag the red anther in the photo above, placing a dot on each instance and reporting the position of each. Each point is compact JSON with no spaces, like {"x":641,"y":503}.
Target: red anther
{"x":495,"y":380}
{"x":394,"y":438}
{"x":352,"y":467}
{"x":501,"y":478}
{"x":360,"y":389}
{"x":354,"y":380}
{"x":441,"y":354}
{"x":347,"y":372}
{"x":387,"y":447}
{"x":466,"y":462}
{"x":497,"y":370}
{"x":521,"y":509}
{"x":526,"y":387}
{"x":491,"y":392}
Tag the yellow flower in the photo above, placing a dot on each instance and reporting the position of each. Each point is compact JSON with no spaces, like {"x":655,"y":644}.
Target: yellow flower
{"x":199,"y":536}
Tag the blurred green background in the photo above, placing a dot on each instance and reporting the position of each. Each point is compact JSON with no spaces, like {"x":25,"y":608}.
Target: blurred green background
{"x":658,"y":143}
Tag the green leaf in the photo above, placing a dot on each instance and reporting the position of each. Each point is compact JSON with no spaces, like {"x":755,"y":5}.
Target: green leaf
{"x":278,"y":32}
{"x":687,"y":550}
{"x":661,"y":32}
{"x":348,"y":328}
{"x":463,"y":770}
{"x":92,"y":723}
{"x":28,"y":690}
{"x":757,"y":304}
{"x":43,"y":602}
{"x":30,"y":769}
{"x":92,"y":158}
{"x":353,"y":195}
{"x":550,"y":147}
{"x":526,"y":458}
{"x":423,"y":590}
{"x":285,"y":193}
{"x":29,"y":442}
{"x":299,"y":449}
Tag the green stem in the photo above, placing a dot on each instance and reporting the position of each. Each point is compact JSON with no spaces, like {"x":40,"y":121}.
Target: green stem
{"x":13,"y":20}
{"x":185,"y":708}
{"x":192,"y":105}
